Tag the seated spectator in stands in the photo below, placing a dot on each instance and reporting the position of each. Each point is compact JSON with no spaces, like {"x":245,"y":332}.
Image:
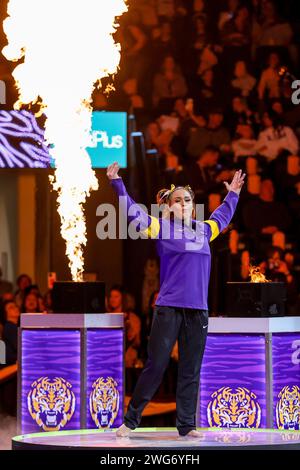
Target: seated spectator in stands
{"x":205,"y":175}
{"x":229,"y":14}
{"x":237,"y":31}
{"x":240,"y":113}
{"x":165,"y":8}
{"x":276,"y":269}
{"x":184,"y":111}
{"x":214,"y":133}
{"x":168,"y":85}
{"x":269,"y":85}
{"x":206,"y":92}
{"x":115,"y":300}
{"x":263,"y":215}
{"x":22,"y":282}
{"x":148,"y":13}
{"x":163,"y":43}
{"x":273,"y":30}
{"x":198,"y":8}
{"x":208,"y":58}
{"x":133,"y":331}
{"x":31,"y":303}
{"x":276,"y":137}
{"x":10,"y":330}
{"x":4,"y":298}
{"x":244,"y":145}
{"x":117,"y":304}
{"x":48,"y":301}
{"x":5,"y":286}
{"x":199,"y":37}
{"x":134,"y":41}
{"x":133,"y":101}
{"x":157,"y":138}
{"x":174,"y":172}
{"x":243,"y":81}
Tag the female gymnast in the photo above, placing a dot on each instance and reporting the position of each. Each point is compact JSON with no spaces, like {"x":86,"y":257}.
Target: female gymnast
{"x":181,"y":311}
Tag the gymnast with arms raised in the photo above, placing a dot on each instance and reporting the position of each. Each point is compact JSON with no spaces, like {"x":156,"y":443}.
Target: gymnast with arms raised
{"x":181,"y":311}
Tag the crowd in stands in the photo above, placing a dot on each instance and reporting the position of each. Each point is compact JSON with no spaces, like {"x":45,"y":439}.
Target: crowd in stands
{"x":209,"y":83}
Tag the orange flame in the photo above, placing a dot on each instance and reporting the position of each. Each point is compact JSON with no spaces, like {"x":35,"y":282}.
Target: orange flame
{"x":256,"y":275}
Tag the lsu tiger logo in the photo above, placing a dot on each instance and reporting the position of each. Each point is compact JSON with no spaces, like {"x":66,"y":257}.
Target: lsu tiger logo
{"x":234,"y":408}
{"x":104,"y":402}
{"x":51,"y":403}
{"x":288,"y":408}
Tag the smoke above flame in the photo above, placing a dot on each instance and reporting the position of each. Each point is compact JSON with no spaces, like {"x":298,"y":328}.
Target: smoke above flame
{"x":67,"y":47}
{"x":256,"y":275}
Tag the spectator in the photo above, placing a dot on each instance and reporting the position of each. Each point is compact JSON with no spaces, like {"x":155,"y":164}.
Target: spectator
{"x":163,"y":43}
{"x":276,"y":269}
{"x":214,"y":134}
{"x":206,"y":92}
{"x":243,"y":81}
{"x":240,"y":114}
{"x":115,"y":300}
{"x":31,"y":303}
{"x":273,"y":30}
{"x":47,"y":301}
{"x":229,"y":14}
{"x":23,"y":281}
{"x":237,"y":31}
{"x":158,"y":138}
{"x":168,"y":85}
{"x":134,"y":40}
{"x":117,"y":304}
{"x":276,"y":137}
{"x":133,"y":331}
{"x":174,"y":172}
{"x":245,"y":144}
{"x":269,"y":80}
{"x":184,"y":111}
{"x":133,"y":101}
{"x":10,"y":330}
{"x":206,"y":175}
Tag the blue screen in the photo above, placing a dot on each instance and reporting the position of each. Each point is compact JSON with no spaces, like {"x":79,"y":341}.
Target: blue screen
{"x":22,"y":140}
{"x":109,"y":137}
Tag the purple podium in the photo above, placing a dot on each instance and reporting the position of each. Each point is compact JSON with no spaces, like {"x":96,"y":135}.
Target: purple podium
{"x":71,"y":372}
{"x":250,"y":375}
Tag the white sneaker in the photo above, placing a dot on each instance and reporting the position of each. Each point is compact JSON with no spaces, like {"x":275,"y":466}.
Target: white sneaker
{"x":123,"y":431}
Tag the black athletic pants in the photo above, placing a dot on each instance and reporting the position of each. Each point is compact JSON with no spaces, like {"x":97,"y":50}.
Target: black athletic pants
{"x":189,"y":326}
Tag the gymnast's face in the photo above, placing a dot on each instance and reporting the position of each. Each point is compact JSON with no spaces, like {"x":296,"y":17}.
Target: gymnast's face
{"x":181,"y":204}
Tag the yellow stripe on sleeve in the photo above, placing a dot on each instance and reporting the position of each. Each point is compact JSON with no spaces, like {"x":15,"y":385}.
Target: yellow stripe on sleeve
{"x":214,"y":229}
{"x":153,"y":230}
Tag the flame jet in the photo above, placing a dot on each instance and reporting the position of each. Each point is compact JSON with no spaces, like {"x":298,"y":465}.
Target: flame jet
{"x":67,"y":47}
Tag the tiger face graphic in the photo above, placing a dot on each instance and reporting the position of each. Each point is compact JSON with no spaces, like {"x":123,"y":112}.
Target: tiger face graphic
{"x":51,"y":403}
{"x":104,"y":402}
{"x":288,"y":408}
{"x":234,"y":408}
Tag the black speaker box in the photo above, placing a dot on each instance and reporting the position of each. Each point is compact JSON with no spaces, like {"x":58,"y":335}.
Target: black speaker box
{"x":255,"y":299}
{"x":78,"y":297}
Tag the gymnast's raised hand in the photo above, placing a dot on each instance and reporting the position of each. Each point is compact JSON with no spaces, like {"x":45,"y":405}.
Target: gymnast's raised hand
{"x":236,"y":183}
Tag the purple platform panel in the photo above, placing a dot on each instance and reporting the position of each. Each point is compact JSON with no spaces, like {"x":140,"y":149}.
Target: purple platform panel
{"x":50,"y":399}
{"x":232,"y":382}
{"x":104,"y":378}
{"x":286,"y":380}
